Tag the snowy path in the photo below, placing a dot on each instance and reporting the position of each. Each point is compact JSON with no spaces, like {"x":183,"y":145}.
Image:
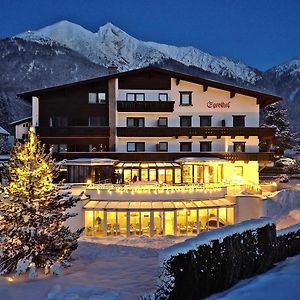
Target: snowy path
{"x":280,"y":283}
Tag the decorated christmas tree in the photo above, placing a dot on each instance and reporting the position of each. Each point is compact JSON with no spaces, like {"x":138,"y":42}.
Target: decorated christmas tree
{"x":33,"y":212}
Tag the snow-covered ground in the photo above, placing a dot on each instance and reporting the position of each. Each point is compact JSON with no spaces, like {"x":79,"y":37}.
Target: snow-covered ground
{"x":103,"y":269}
{"x":280,"y":283}
{"x":125,"y":268}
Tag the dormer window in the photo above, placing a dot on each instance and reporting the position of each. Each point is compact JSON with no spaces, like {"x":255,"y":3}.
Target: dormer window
{"x":97,"y":98}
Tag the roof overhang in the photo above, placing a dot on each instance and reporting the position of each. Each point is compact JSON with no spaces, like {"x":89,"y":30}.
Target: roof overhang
{"x":91,"y":162}
{"x":263,"y":98}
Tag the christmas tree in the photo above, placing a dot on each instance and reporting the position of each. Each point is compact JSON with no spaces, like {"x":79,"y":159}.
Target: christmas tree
{"x":33,"y":212}
{"x":276,"y":117}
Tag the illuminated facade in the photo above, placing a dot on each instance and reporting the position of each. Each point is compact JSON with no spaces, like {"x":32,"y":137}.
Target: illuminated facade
{"x":153,"y":128}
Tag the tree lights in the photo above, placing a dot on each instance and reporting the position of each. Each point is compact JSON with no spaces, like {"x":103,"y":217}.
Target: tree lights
{"x":33,"y":212}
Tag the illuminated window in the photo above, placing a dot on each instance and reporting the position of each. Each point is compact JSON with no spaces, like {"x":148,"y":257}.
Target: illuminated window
{"x":239,"y":147}
{"x":238,"y":171}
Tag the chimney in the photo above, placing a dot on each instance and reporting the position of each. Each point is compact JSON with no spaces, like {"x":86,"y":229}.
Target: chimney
{"x":112,"y":69}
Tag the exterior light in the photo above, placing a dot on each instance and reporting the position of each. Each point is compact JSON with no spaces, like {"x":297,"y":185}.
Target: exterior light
{"x":89,"y":182}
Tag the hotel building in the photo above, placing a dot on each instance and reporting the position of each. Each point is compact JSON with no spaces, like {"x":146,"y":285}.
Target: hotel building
{"x":162,"y":152}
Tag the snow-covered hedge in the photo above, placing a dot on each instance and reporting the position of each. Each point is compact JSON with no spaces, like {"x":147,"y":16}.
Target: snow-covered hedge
{"x":216,"y":260}
{"x":288,"y":242}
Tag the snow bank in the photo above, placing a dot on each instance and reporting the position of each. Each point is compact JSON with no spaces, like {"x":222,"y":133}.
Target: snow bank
{"x":281,"y":203}
{"x":288,"y":230}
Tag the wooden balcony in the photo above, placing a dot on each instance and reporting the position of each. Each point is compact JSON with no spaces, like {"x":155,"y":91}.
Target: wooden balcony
{"x":169,"y":156}
{"x":195,"y":131}
{"x":145,"y":106}
{"x":75,"y":131}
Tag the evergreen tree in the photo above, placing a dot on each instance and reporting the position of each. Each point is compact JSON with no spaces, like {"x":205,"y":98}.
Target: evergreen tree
{"x":4,"y":147}
{"x":276,"y":116}
{"x":32,"y":215}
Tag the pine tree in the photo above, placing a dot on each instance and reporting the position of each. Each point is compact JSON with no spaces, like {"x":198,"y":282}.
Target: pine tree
{"x":276,"y":116}
{"x":32,"y":215}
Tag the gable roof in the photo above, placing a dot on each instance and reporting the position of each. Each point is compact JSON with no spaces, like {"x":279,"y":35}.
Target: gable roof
{"x":262,"y":97}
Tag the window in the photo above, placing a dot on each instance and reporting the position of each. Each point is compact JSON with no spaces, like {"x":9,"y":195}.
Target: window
{"x":97,"y":121}
{"x":163,"y":97}
{"x":205,"y":146}
{"x":185,"y":121}
{"x":205,"y":121}
{"x":185,"y":146}
{"x":239,"y":147}
{"x":186,"y":98}
{"x":238,"y":171}
{"x":58,"y":121}
{"x":63,"y":148}
{"x":135,"y":147}
{"x":238,"y":121}
{"x":56,"y":148}
{"x":97,"y":147}
{"x":135,"y":122}
{"x":135,"y":97}
{"x":162,"y":146}
{"x":162,"y":122}
{"x":96,"y":98}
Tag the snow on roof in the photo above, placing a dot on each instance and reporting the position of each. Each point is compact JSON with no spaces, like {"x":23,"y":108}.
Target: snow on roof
{"x":91,"y":162}
{"x":3,"y":131}
{"x":199,"y":159}
{"x":287,"y":230}
{"x":209,"y":236}
{"x":21,"y":121}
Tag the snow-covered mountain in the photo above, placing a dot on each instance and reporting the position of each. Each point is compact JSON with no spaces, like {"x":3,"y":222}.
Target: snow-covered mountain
{"x":286,"y":82}
{"x":65,"y":52}
{"x":111,"y":45}
{"x":26,"y":65}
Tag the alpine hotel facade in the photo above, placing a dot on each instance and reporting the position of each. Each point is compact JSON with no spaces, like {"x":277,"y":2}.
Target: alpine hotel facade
{"x":159,"y":152}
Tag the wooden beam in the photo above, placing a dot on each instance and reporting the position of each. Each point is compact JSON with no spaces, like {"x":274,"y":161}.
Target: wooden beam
{"x":205,"y":87}
{"x":177,"y":81}
{"x":232,"y":94}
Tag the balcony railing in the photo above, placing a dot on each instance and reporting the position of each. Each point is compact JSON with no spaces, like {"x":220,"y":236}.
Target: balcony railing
{"x":145,"y":106}
{"x":168,"y":156}
{"x":195,"y":131}
{"x":76,"y":131}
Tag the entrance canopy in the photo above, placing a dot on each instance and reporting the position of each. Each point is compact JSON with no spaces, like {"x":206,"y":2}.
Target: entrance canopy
{"x":196,"y":160}
{"x":91,"y":162}
{"x":146,"y":164}
{"x":156,"y":205}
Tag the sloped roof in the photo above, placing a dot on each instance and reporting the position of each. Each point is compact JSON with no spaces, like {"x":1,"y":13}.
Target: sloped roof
{"x":263,"y":98}
{"x":3,"y":131}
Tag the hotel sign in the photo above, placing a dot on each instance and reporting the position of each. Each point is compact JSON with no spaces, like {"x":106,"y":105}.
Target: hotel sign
{"x":213,"y":105}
